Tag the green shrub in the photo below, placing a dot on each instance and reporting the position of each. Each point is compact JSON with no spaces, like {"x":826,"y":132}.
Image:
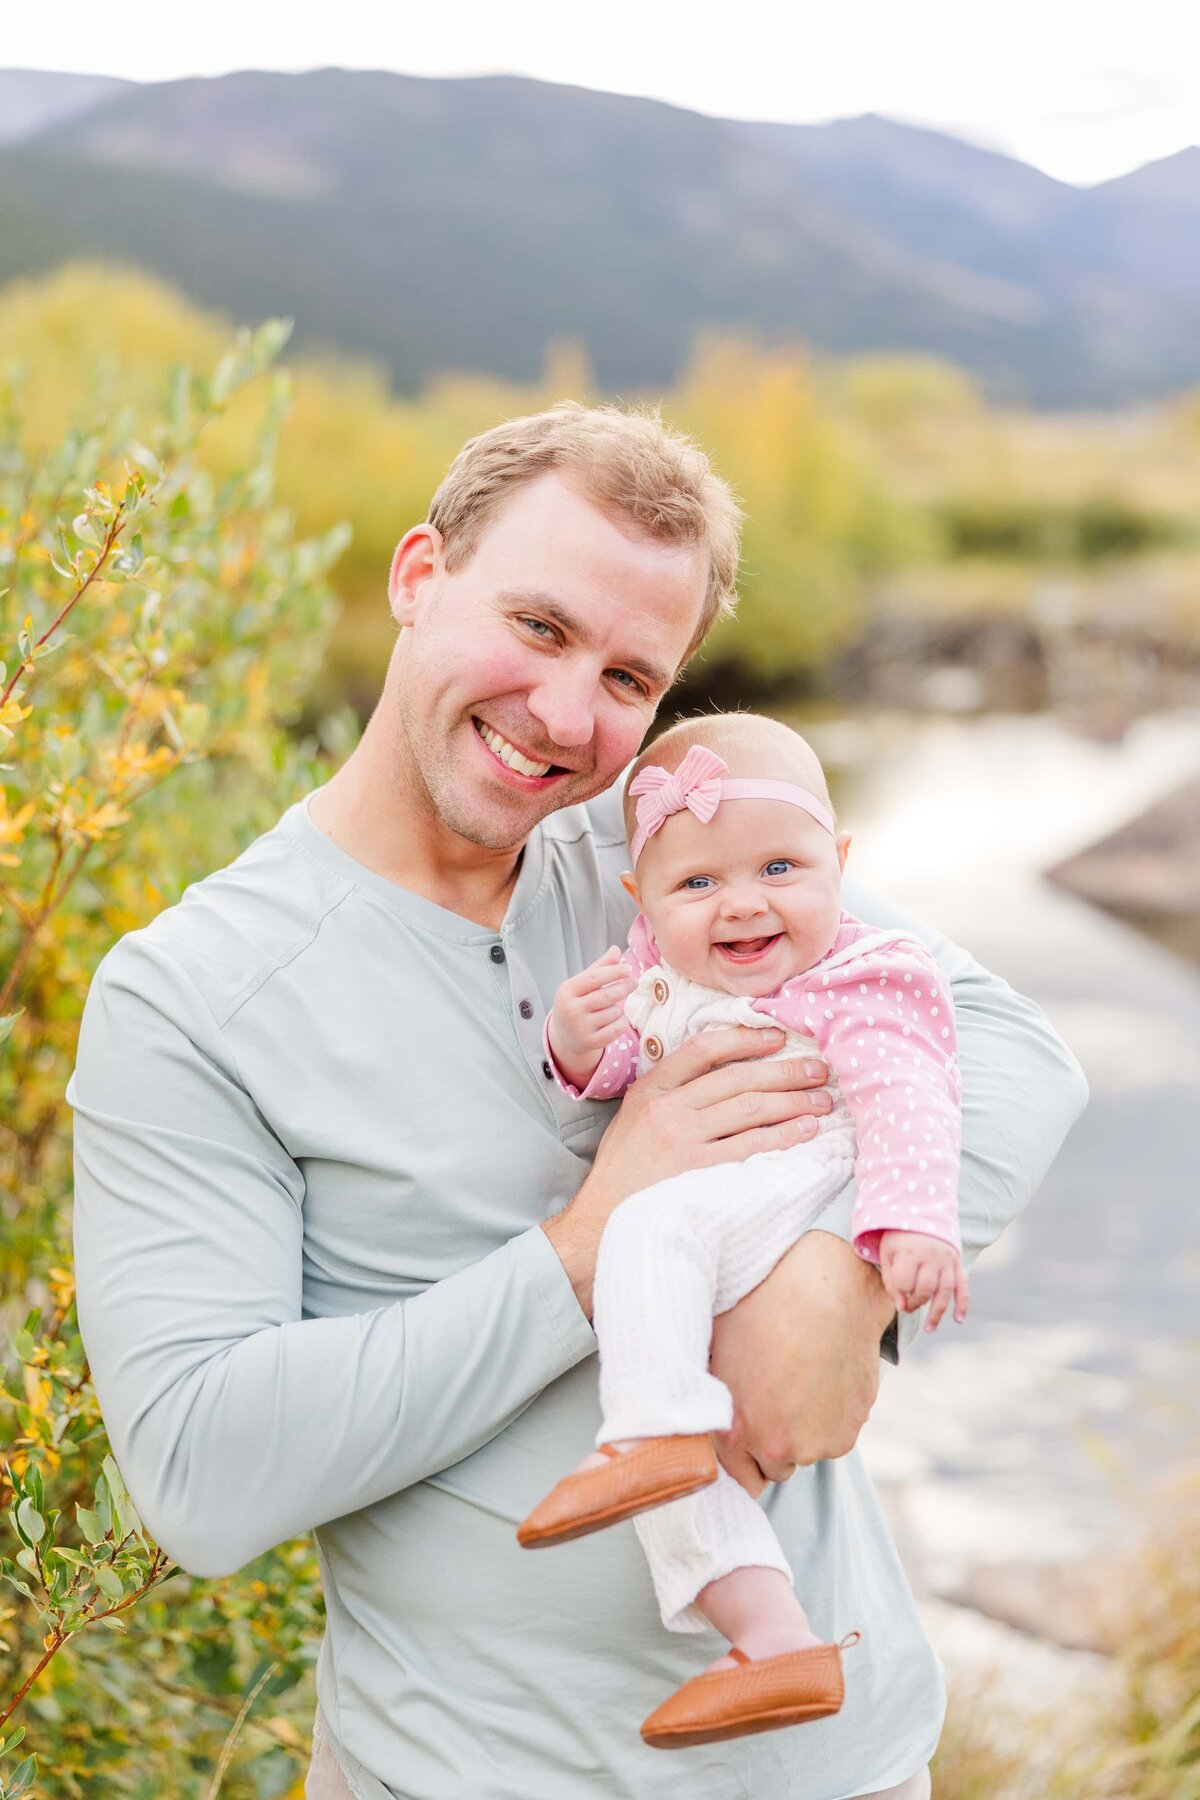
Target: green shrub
{"x":159,"y":630}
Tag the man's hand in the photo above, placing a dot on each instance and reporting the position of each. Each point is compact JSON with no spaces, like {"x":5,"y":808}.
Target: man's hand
{"x":705,"y":1103}
{"x":800,"y":1355}
{"x":588,"y":1015}
{"x":916,"y":1268}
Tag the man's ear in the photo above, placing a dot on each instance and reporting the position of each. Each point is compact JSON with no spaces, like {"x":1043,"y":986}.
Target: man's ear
{"x":630,"y":884}
{"x":418,"y":557}
{"x":843,"y":846}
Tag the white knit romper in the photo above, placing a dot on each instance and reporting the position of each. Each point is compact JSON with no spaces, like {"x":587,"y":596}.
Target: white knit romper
{"x":674,"y":1256}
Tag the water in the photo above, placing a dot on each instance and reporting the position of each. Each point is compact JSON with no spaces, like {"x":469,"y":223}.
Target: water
{"x":1033,"y":1433}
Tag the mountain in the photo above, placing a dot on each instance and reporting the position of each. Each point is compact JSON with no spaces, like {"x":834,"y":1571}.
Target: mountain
{"x":31,"y":100}
{"x":466,"y":223}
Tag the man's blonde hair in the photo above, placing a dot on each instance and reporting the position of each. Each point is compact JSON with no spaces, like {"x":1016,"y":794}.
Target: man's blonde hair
{"x":628,"y":464}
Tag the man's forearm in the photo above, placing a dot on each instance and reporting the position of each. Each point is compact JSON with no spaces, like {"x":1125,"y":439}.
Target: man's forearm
{"x":232,"y":1446}
{"x":800,"y":1354}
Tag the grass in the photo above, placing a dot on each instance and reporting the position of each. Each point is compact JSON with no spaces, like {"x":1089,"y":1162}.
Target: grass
{"x":1138,"y":1736}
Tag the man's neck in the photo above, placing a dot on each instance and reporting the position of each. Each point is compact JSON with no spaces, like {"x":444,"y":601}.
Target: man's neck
{"x":370,"y":810}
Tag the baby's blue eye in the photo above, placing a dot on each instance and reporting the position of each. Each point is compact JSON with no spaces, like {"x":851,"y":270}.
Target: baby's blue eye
{"x":696,"y":884}
{"x":779,"y":867}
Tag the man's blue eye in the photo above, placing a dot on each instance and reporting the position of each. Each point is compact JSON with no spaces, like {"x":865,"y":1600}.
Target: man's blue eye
{"x":538,"y":625}
{"x":779,"y":867}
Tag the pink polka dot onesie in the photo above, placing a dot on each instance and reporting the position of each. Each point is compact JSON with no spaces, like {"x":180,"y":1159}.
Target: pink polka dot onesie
{"x":878,"y":1010}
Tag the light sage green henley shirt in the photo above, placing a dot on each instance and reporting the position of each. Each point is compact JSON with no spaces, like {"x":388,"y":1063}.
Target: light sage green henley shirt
{"x":315,"y":1137}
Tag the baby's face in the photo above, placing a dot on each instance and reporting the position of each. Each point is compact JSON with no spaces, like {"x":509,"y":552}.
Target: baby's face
{"x":746,"y":901}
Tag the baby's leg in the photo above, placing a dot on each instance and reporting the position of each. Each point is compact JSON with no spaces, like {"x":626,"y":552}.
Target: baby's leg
{"x":758,"y":1611}
{"x":656,"y":1277}
{"x":715,"y":1560}
{"x":675,"y":1254}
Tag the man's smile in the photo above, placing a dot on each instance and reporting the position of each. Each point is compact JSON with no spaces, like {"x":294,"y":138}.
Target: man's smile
{"x":529,"y":770}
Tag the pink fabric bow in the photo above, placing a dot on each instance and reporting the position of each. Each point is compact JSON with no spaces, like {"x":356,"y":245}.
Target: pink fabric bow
{"x":695,"y":784}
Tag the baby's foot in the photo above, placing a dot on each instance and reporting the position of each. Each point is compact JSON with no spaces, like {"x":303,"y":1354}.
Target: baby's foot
{"x":759,"y":1612}
{"x":596,"y":1459}
{"x":635,"y":1475}
{"x":759,"y":1645}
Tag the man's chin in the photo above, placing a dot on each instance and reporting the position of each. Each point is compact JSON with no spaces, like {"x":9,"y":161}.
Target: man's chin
{"x":498,"y":827}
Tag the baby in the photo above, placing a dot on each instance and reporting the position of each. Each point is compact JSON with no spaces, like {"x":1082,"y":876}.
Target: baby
{"x":737,"y":879}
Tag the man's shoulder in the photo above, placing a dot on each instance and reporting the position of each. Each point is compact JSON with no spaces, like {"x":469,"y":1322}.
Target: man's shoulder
{"x":231,"y":930}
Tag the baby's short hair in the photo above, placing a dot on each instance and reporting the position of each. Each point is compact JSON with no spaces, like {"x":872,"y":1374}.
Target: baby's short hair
{"x":751,"y":744}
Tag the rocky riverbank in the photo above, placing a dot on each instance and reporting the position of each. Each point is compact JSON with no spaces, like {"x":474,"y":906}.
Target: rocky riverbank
{"x":1147,"y":871}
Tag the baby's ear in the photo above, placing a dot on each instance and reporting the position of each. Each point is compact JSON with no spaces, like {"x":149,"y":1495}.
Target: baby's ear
{"x":843,"y":846}
{"x":629,"y":883}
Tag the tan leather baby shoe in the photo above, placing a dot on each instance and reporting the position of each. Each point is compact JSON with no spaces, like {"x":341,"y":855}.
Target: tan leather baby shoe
{"x":632,"y":1481}
{"x":755,"y":1696}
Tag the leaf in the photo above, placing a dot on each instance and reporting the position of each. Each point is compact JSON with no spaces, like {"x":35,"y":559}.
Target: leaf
{"x":72,"y":1556}
{"x":7,"y":1023}
{"x":225,"y":378}
{"x":21,"y":1779}
{"x":91,"y":1525}
{"x":270,"y":339}
{"x":9,"y":1744}
{"x":109,"y":1582}
{"x":125,"y":1513}
{"x":30,"y":1522}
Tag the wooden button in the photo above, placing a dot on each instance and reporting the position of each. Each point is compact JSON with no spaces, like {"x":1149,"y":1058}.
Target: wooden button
{"x":662,"y":992}
{"x":653,"y":1048}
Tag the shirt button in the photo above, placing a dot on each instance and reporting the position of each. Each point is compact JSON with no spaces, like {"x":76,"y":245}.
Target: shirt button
{"x":653,"y":1048}
{"x":526,"y":1009}
{"x":497,"y":953}
{"x":547,"y":1071}
{"x":662,"y":993}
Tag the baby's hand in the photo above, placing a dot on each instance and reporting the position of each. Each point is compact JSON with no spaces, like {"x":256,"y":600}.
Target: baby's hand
{"x":589,"y":1014}
{"x":916,"y":1268}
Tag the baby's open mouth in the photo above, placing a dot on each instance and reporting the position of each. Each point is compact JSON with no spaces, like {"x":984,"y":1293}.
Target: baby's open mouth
{"x":747,"y":949}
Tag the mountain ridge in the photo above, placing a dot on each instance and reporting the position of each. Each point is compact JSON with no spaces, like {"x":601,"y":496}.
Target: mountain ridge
{"x":473,"y":220}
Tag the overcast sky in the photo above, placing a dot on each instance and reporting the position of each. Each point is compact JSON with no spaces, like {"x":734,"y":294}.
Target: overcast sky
{"x":1086,"y":89}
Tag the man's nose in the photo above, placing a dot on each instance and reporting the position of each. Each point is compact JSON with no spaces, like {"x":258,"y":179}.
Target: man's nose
{"x":565,"y":706}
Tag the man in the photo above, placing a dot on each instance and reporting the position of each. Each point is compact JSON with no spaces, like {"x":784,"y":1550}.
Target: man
{"x":336,"y":1225}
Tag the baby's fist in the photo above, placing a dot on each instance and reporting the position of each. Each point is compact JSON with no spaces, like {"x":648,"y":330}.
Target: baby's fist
{"x":916,"y":1268}
{"x":589,"y":1013}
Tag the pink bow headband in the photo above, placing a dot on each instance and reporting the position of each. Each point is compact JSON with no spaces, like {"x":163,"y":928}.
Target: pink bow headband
{"x":697,"y":786}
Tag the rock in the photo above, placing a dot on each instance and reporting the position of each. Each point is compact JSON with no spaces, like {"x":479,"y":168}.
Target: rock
{"x":1074,"y":1605}
{"x":1151,"y":864}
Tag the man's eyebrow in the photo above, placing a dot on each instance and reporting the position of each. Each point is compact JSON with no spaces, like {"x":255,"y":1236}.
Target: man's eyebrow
{"x":552,"y":608}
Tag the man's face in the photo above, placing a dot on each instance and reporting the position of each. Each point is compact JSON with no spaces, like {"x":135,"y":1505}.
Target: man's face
{"x":528,"y":677}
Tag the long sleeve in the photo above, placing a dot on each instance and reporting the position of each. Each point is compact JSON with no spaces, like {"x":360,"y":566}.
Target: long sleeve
{"x":1022,"y":1090}
{"x":236,"y":1422}
{"x":618,"y":1066}
{"x":614,"y":1072}
{"x":884,"y":1021}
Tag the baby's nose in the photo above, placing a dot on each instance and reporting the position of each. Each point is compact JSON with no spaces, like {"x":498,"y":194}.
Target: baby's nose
{"x":744,"y":899}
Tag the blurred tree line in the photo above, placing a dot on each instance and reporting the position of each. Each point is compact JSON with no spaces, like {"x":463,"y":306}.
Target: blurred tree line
{"x":850,"y":472}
